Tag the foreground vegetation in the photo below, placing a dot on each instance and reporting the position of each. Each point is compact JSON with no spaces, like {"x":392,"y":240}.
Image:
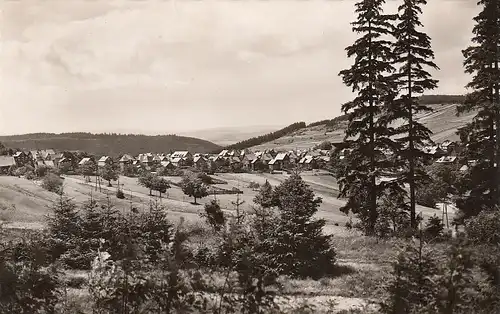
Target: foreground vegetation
{"x":96,"y":258}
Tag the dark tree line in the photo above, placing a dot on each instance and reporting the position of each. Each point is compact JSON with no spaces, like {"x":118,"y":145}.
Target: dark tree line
{"x":108,"y":144}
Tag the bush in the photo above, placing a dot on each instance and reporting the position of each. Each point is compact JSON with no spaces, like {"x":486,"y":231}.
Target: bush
{"x":52,"y":183}
{"x":297,"y":242}
{"x":24,"y":171}
{"x":214,"y":215}
{"x":434,"y":229}
{"x":42,"y":171}
{"x":120,"y":194}
{"x":253,"y":185}
{"x":484,"y":228}
{"x":28,"y":285}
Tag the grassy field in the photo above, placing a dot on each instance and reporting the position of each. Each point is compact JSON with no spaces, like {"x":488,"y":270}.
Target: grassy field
{"x":443,"y":122}
{"x":31,"y":202}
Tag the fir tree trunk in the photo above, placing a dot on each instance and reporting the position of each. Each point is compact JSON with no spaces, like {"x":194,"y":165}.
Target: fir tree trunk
{"x":497,"y":116}
{"x":411,"y":155}
{"x":373,"y":182}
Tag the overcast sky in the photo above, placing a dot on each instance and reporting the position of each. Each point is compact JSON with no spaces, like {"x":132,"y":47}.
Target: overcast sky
{"x":161,"y":66}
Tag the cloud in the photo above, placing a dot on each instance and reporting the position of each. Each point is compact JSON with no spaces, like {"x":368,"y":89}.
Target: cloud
{"x":179,"y":65}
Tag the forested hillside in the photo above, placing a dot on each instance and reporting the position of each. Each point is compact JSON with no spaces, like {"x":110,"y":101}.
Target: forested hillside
{"x":108,"y":144}
{"x":268,"y":137}
{"x":443,"y":122}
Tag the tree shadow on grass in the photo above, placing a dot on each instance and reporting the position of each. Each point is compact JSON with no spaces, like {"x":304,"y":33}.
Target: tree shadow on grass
{"x":341,"y":270}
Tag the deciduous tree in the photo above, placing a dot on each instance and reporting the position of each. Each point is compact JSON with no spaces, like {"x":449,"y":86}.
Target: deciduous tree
{"x":194,"y":188}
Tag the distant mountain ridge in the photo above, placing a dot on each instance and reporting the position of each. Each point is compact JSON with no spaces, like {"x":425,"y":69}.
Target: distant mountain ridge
{"x":108,"y":143}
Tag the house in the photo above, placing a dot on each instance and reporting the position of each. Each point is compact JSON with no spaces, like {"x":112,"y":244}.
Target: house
{"x":182,"y":154}
{"x":448,"y":146}
{"x":6,"y":162}
{"x":247,"y":159}
{"x":294,"y":158}
{"x":145,"y":159}
{"x":85,"y":161}
{"x":177,"y":161}
{"x":435,"y":151}
{"x":48,"y":154}
{"x":103,"y":161}
{"x":185,"y":156}
{"x":125,"y":160}
{"x":257,"y":164}
{"x":64,"y":162}
{"x":446,"y":159}
{"x":167,"y":165}
{"x":280,"y":161}
{"x":35,"y":155}
{"x":156,"y":159}
{"x":200,"y":162}
{"x":49,"y":163}
{"x":307,"y":163}
{"x":223,"y":153}
{"x":323,"y":161}
{"x":21,"y":158}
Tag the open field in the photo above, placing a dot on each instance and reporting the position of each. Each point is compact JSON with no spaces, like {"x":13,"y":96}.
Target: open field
{"x":443,"y":122}
{"x":31,"y":202}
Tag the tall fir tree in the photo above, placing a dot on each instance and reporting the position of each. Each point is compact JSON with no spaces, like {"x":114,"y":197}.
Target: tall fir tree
{"x":367,"y":135}
{"x":413,"y":56}
{"x":481,"y":135}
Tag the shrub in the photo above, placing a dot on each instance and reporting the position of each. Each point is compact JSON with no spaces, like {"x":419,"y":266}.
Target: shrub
{"x":206,"y":179}
{"x":24,"y":171}
{"x":214,"y":215}
{"x":298,"y":244}
{"x":484,"y":228}
{"x":434,"y":229}
{"x":28,"y":285}
{"x":120,"y":194}
{"x":42,"y":171}
{"x":253,"y":185}
{"x":52,"y":183}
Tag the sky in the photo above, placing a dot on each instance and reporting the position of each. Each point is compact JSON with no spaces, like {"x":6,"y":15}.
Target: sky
{"x":171,"y":66}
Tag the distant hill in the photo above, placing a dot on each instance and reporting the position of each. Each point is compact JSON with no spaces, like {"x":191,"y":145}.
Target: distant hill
{"x":443,"y":122}
{"x":108,"y":144}
{"x":229,"y":135}
{"x":267,"y":137}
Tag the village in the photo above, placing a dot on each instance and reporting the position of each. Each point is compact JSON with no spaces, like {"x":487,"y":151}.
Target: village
{"x":246,"y":160}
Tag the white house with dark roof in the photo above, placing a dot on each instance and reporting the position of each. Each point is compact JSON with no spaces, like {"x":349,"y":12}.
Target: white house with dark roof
{"x":104,"y":160}
{"x":181,"y":154}
{"x":6,"y":162}
{"x":279,"y":162}
{"x":446,"y":160}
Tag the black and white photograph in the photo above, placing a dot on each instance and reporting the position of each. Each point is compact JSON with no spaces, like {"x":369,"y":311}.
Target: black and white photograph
{"x":249,"y":156}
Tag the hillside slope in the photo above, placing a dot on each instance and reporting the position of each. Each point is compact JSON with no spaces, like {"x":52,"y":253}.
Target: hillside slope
{"x":108,"y":144}
{"x":443,"y":122}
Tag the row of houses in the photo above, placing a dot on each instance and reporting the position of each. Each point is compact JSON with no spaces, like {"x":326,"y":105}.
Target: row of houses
{"x":32,"y":158}
{"x":231,"y":160}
